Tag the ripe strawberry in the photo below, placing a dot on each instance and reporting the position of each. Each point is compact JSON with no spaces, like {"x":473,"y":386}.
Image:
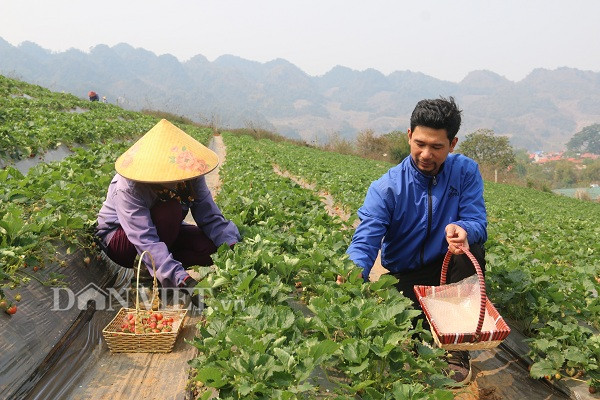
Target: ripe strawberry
{"x":11,"y":310}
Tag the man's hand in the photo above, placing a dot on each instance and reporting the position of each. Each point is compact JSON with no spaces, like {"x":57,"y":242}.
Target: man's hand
{"x":456,"y":236}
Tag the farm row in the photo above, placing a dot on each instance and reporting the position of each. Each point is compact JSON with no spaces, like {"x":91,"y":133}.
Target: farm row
{"x":56,"y":203}
{"x":543,"y":256}
{"x":257,"y":343}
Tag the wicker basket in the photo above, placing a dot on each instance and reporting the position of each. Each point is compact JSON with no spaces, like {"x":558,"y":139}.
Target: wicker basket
{"x":146,"y":342}
{"x":473,"y":340}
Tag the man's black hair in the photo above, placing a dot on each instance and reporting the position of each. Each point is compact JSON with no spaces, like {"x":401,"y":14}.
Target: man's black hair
{"x":437,"y":114}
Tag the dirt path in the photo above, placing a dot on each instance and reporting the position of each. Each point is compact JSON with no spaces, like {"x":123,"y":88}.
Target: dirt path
{"x":333,"y":209}
{"x":213,"y":179}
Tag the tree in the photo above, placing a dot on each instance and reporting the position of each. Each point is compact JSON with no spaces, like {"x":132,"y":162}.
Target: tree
{"x":487,"y":149}
{"x":339,"y":144}
{"x":587,"y":140}
{"x":564,"y":174}
{"x":591,"y":172}
{"x":522,"y":162}
{"x":370,"y":145}
{"x":397,"y":145}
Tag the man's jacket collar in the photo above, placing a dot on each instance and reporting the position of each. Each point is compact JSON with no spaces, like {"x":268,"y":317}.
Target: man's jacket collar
{"x":421,"y":177}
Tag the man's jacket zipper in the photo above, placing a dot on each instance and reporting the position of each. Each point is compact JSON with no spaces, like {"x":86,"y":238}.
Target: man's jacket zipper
{"x":432,"y":182}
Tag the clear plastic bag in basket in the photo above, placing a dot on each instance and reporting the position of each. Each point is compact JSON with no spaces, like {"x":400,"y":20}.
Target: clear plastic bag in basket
{"x":455,"y":307}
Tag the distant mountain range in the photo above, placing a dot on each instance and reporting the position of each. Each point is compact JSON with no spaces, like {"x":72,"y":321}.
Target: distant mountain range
{"x":540,"y":112}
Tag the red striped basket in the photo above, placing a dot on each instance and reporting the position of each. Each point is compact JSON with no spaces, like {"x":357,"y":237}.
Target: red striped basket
{"x":473,"y":340}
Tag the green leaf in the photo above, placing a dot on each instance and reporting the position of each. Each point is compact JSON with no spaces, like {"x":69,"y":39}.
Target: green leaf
{"x":362,"y":385}
{"x":575,"y":354}
{"x":408,"y":391}
{"x":211,"y":377}
{"x":220,"y":281}
{"x":246,"y":281}
{"x":542,"y":368}
{"x":323,"y":349}
{"x":374,"y":394}
{"x":283,"y":356}
{"x":385,"y":281}
{"x":359,"y":368}
{"x":239,"y":339}
{"x":366,"y":324}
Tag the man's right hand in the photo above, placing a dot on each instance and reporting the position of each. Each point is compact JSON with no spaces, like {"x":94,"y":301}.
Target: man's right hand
{"x":456,"y":237}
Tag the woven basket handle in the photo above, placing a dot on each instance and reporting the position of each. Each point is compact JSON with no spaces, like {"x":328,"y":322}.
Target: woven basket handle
{"x":137,"y":285}
{"x":481,"y":284}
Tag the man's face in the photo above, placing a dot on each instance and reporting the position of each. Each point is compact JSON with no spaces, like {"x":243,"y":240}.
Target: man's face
{"x":429,"y":148}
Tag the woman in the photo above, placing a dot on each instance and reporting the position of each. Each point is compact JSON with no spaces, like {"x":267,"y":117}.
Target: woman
{"x":159,"y":179}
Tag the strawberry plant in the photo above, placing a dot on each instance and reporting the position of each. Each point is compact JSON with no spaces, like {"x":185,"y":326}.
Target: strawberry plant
{"x":275,"y":315}
{"x":53,"y":208}
{"x":543,"y":269}
{"x":289,"y":238}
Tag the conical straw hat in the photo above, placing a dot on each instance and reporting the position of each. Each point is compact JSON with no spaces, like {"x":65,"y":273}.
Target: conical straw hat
{"x":166,"y":154}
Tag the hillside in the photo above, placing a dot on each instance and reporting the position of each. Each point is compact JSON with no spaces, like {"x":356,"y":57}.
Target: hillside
{"x":540,"y":112}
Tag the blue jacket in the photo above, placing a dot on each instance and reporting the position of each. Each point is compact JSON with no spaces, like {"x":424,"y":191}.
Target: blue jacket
{"x":405,"y":213}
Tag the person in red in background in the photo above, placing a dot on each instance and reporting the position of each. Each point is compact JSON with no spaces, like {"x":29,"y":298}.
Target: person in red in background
{"x":93,"y":95}
{"x":159,"y":179}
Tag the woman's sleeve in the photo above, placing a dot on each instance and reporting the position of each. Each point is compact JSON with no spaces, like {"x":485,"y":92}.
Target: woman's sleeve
{"x":209,"y":218}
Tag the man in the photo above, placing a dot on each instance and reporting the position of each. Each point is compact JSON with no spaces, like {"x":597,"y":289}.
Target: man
{"x":159,"y":179}
{"x":428,"y":204}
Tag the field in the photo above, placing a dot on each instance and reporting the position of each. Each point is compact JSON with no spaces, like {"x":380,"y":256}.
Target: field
{"x":593,"y":193}
{"x":275,"y":315}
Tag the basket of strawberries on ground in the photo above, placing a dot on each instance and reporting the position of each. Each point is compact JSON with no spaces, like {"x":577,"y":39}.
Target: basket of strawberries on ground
{"x":135,"y":330}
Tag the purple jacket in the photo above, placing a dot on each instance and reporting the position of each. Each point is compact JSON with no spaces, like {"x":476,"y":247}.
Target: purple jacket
{"x":128,"y":205}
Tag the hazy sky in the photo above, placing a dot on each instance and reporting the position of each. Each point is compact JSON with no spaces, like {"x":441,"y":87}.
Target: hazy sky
{"x":445,"y":39}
